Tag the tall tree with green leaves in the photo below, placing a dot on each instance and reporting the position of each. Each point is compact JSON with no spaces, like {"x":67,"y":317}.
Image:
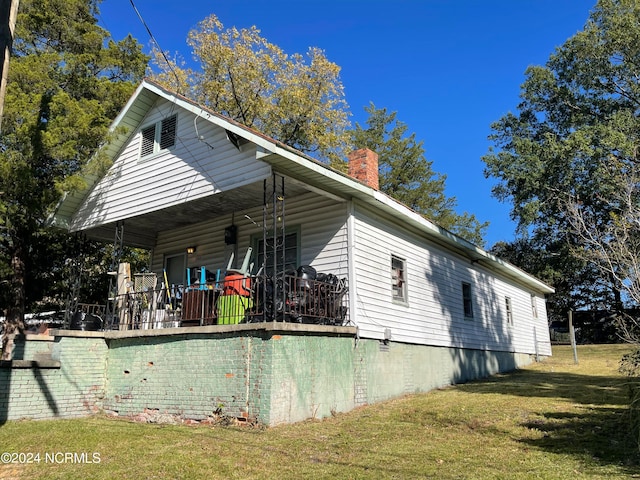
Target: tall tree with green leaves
{"x":68,"y":81}
{"x":296,"y":99}
{"x":299,"y":100}
{"x":407,"y":176}
{"x":574,"y":142}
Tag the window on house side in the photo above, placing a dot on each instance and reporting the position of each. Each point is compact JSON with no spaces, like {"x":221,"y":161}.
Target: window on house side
{"x":398,"y":279}
{"x":159,"y":136}
{"x":534,"y":307}
{"x":466,"y":300}
{"x":507,"y":305}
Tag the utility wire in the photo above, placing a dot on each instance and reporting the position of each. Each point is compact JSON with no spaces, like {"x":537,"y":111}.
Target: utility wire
{"x":153,"y":39}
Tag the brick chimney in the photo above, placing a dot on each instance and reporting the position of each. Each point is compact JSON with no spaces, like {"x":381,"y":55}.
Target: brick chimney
{"x":363,"y":166}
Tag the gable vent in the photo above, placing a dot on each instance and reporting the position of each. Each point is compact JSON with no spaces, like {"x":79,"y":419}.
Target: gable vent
{"x":168,"y":132}
{"x":148,"y":140}
{"x":159,"y":136}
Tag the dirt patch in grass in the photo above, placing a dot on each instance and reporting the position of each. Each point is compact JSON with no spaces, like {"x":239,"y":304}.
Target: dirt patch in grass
{"x":554,"y":419}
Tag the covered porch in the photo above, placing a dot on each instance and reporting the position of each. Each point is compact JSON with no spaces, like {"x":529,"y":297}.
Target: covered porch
{"x":253,"y":273}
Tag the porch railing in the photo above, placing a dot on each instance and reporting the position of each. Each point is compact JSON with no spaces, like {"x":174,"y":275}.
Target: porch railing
{"x":234,"y":300}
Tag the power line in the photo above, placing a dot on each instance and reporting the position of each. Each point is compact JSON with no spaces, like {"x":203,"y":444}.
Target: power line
{"x":153,"y":39}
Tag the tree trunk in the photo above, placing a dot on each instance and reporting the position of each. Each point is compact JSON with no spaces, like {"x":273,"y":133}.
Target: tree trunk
{"x":14,"y":322}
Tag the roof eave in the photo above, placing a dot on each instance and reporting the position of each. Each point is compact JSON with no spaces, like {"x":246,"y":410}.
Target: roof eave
{"x":439,"y":235}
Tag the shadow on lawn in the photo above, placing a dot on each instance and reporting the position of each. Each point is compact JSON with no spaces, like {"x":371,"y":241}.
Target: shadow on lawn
{"x":591,"y":417}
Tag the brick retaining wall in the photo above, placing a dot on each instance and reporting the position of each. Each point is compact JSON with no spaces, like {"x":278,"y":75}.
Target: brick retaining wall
{"x":270,"y":373}
{"x":56,"y":377}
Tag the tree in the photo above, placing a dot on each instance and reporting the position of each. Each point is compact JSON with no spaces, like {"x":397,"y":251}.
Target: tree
{"x":67,"y":82}
{"x":578,"y":284}
{"x":614,"y":246}
{"x":575,"y":133}
{"x":406,"y":175}
{"x":296,"y":99}
{"x":299,"y":100}
{"x":569,"y":160}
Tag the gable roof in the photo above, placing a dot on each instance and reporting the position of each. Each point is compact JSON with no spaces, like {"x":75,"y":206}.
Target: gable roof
{"x":287,"y":161}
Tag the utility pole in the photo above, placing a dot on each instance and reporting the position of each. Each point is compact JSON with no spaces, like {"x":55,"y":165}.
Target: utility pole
{"x":572,"y":338}
{"x":8,"y":14}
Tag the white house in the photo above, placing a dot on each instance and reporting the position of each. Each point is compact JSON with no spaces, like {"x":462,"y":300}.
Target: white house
{"x":184,"y":177}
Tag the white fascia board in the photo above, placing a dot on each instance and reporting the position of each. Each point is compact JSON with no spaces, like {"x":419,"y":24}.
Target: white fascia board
{"x":130,"y":102}
{"x":475,"y":253}
{"x":377,"y":199}
{"x":211,"y":117}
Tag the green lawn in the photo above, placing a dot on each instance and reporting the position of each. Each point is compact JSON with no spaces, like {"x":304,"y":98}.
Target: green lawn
{"x":552,"y":420}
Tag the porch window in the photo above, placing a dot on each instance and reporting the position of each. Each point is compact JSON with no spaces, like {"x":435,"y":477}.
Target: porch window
{"x":291,"y":252}
{"x":159,"y":136}
{"x":467,"y":302}
{"x":398,"y":279}
{"x":509,"y":310}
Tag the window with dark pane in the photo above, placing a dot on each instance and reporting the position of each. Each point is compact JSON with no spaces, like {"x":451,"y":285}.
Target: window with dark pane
{"x":509,"y":310}
{"x":534,"y":307}
{"x":466,"y":300}
{"x":290,"y":253}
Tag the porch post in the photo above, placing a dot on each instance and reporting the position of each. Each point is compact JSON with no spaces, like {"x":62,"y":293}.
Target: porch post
{"x":116,"y":255}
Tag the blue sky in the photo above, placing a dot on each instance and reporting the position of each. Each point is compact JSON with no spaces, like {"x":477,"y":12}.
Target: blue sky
{"x":448,"y":68}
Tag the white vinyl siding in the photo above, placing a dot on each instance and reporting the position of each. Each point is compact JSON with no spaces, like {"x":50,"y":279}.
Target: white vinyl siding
{"x":319,"y":221}
{"x":435,"y":315}
{"x":188,"y":171}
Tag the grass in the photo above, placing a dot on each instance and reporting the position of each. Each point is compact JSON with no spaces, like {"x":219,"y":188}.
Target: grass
{"x":552,"y":420}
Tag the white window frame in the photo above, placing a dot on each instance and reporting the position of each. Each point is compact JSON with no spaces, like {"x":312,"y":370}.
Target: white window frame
{"x":534,"y":307}
{"x":508,"y":305}
{"x":399,"y":280}
{"x":159,"y":139}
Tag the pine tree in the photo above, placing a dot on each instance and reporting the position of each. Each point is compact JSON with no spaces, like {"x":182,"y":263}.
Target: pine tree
{"x":407,"y":176}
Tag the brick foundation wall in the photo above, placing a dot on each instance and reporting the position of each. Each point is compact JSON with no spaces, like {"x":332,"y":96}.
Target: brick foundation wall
{"x":267,"y":373}
{"x":55,"y":378}
{"x":190,"y":375}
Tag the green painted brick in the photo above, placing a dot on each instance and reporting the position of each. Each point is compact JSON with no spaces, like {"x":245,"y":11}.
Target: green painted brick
{"x":273,"y":378}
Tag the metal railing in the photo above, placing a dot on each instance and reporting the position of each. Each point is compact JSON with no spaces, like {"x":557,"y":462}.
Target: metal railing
{"x":234,"y":300}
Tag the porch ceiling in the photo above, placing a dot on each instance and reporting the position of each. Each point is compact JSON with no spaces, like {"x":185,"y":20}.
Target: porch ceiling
{"x":141,"y":231}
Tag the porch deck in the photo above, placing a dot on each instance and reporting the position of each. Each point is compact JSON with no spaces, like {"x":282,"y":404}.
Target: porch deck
{"x":235,"y":300}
